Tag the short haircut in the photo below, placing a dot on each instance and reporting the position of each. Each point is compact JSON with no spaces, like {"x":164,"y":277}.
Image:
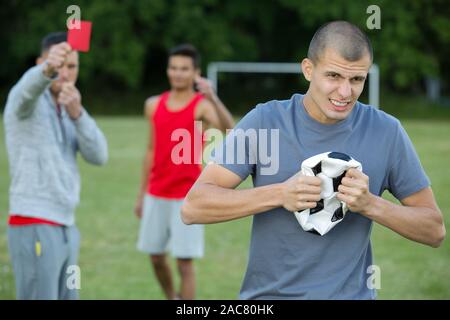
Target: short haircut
{"x":186,"y":50}
{"x":346,"y":38}
{"x":52,"y":39}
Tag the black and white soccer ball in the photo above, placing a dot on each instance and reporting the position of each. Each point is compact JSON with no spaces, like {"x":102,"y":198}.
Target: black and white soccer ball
{"x":330,"y":167}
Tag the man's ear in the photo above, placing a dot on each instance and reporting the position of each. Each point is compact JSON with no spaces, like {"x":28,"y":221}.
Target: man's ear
{"x":307,"y":68}
{"x":42,"y":57}
{"x":39,"y":60}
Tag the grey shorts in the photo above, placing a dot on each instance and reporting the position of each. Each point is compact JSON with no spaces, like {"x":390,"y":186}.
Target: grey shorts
{"x":162,"y":230}
{"x":43,"y":258}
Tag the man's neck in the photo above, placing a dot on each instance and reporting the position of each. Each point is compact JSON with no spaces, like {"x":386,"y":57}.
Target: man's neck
{"x":179,"y":98}
{"x":181,"y":95}
{"x":54,"y":97}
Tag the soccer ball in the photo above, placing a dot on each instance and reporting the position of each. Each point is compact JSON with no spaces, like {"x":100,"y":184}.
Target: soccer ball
{"x":330,"y":167}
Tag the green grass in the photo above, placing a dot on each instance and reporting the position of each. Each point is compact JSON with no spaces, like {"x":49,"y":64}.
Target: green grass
{"x":111,"y":268}
{"x":414,"y":107}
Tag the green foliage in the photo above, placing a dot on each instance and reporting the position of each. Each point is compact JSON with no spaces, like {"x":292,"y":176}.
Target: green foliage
{"x":413,"y":41}
{"x":130,"y":38}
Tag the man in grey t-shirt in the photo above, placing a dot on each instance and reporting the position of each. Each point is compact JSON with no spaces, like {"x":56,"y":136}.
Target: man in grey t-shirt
{"x":286,"y":262}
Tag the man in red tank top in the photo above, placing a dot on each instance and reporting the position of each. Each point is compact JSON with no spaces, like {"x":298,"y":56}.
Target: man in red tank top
{"x":168,"y":173}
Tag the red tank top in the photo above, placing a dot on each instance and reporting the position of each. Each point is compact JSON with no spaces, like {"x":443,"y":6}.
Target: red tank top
{"x":177,"y":142}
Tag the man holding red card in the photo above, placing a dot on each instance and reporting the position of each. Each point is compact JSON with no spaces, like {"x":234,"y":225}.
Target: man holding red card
{"x":45,"y":127}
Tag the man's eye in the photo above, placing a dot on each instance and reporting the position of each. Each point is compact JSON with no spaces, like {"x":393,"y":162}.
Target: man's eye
{"x":333,"y":76}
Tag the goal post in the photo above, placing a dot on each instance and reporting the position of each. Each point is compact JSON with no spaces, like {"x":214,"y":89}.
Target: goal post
{"x":214,"y":68}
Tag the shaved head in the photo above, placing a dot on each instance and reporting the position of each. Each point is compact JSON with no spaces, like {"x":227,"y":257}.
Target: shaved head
{"x":347,"y":39}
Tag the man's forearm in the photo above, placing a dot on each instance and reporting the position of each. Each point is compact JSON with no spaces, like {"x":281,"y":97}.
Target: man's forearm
{"x":420,"y":224}
{"x":28,"y":89}
{"x":148,"y":158}
{"x":225,"y":117}
{"x":91,"y":140}
{"x":208,"y":203}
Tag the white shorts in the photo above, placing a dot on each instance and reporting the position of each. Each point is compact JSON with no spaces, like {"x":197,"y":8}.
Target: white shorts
{"x":162,"y":230}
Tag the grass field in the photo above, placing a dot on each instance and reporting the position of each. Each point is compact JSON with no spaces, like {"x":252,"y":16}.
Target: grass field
{"x":111,"y":268}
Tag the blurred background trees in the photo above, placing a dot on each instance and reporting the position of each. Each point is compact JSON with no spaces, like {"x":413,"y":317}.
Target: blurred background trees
{"x":130,"y":41}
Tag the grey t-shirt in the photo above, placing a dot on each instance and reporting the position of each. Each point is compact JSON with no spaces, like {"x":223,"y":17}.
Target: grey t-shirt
{"x":284,"y":261}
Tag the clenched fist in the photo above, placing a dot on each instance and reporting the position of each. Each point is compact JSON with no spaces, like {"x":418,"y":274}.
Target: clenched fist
{"x":354,"y":191}
{"x":301,"y":192}
{"x":70,"y":98}
{"x":205,"y":87}
{"x":55,"y":60}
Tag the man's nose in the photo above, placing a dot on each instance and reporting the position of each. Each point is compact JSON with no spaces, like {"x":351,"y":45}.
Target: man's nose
{"x":63,"y":73}
{"x":345,"y":90}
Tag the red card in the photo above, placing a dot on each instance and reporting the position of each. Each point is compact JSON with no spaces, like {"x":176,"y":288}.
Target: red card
{"x":79,"y":39}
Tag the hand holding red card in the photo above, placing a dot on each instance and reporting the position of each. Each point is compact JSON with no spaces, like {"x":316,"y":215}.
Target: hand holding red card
{"x":80,"y":38}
